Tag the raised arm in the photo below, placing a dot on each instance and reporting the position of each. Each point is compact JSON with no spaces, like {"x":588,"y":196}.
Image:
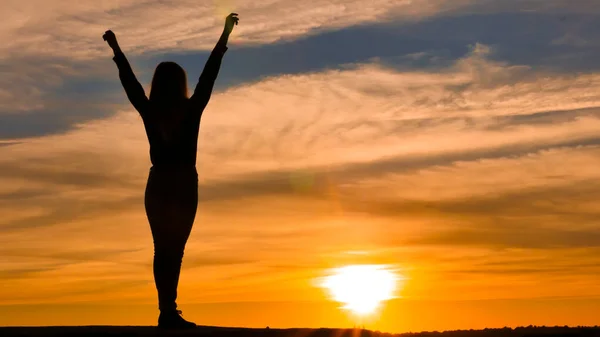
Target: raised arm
{"x":205,"y":85}
{"x":133,"y":88}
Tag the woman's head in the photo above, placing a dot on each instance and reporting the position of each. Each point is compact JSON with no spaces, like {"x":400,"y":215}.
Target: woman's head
{"x":169,"y":83}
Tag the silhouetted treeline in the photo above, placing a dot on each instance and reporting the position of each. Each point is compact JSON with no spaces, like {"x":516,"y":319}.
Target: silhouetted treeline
{"x":510,"y":332}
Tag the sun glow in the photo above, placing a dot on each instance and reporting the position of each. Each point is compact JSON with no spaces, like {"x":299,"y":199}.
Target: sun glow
{"x":222,"y":8}
{"x":361,"y":288}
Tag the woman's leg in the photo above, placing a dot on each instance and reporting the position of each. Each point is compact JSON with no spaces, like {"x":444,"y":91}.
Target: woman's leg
{"x":171,"y":203}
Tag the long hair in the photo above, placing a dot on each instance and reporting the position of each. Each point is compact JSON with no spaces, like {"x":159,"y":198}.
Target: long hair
{"x":168,"y":96}
{"x":169,"y":85}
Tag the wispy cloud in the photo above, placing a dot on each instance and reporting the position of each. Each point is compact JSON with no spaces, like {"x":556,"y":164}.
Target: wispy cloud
{"x":148,"y":25}
{"x":50,"y":43}
{"x":403,"y":163}
{"x":474,"y":174}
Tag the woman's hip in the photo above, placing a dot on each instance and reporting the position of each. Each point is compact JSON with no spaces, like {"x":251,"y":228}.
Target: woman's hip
{"x":176,"y":187}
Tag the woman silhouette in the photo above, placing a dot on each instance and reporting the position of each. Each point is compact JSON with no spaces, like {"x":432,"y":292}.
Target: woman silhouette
{"x":172,"y":122}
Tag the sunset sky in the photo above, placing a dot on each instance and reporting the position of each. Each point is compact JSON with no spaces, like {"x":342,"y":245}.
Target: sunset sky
{"x":455,"y":141}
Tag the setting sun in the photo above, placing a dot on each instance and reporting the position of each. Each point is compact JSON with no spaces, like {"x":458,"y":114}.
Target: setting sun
{"x":320,"y":168}
{"x":361,"y":288}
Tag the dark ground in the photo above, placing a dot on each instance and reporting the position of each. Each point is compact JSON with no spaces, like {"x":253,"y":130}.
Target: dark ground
{"x":124,"y":331}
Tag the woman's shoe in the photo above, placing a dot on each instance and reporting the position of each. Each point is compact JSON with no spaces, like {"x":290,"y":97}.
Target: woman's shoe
{"x":173,"y":320}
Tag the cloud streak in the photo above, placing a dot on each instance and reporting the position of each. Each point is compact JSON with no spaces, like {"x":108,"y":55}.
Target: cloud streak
{"x":474,"y":176}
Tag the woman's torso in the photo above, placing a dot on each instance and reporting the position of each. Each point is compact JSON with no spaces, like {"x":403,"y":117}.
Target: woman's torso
{"x":173,"y":136}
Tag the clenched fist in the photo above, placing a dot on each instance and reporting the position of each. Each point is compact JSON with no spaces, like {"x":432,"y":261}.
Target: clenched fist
{"x":111,"y":39}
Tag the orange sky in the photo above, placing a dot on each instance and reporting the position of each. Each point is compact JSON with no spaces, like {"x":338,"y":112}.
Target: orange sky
{"x":474,"y":176}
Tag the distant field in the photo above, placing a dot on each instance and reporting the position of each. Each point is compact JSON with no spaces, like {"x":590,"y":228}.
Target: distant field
{"x":124,"y":331}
